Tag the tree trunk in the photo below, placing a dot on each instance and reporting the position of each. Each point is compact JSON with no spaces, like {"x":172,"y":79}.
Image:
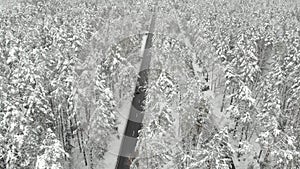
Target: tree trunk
{"x":223,"y":99}
{"x":91,"y":158}
{"x":83,"y":148}
{"x":77,"y":134}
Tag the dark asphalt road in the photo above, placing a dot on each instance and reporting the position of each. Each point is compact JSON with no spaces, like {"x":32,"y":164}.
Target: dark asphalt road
{"x":134,"y":124}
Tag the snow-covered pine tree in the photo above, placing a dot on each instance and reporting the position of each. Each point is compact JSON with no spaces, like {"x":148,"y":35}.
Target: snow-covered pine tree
{"x":158,"y":136}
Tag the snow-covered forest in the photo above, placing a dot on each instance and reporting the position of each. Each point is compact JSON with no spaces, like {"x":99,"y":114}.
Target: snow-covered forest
{"x":222,"y":91}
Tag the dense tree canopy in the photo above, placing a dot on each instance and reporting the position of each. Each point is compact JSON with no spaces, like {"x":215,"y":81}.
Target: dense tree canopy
{"x":226,"y":94}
